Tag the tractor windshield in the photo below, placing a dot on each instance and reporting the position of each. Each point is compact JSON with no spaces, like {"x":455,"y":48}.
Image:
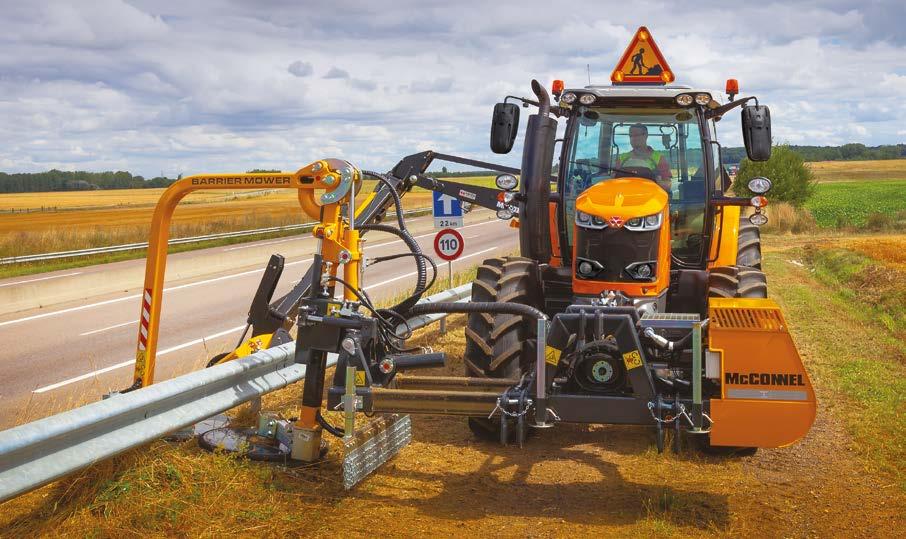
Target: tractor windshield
{"x":664,"y":145}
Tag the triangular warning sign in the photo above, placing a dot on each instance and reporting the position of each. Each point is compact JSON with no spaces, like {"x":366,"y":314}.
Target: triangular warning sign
{"x":642,"y":63}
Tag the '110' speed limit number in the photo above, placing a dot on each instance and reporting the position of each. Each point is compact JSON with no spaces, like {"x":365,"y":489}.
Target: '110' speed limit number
{"x":448,"y":244}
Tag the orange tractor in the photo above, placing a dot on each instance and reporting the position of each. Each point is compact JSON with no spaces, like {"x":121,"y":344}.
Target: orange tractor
{"x":638,"y":296}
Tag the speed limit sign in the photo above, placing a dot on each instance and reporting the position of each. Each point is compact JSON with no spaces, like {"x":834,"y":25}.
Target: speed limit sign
{"x":448,"y":244}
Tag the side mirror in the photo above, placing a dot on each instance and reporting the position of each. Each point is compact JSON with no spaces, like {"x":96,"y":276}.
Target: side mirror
{"x":756,"y":132}
{"x":504,"y":127}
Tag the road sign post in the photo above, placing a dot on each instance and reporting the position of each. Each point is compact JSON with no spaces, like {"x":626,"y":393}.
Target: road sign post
{"x":448,"y":244}
{"x":447,"y":211}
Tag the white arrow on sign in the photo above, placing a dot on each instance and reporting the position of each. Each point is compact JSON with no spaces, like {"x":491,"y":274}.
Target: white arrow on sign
{"x":447,"y":201}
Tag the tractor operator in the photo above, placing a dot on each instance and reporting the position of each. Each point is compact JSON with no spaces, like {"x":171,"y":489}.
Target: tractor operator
{"x":643,"y":155}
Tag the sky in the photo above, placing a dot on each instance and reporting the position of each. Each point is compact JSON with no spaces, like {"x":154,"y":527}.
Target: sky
{"x":202,"y":86}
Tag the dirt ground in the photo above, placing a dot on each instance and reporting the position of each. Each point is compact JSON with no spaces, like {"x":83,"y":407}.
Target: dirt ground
{"x":570,"y":480}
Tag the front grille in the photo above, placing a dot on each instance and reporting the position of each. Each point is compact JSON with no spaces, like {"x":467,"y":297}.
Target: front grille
{"x":616,"y":248}
{"x":752,"y":319}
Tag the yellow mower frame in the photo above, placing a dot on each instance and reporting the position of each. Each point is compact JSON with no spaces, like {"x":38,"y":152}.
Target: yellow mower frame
{"x":340,"y":244}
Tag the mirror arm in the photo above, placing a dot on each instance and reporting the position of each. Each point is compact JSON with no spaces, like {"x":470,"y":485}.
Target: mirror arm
{"x":555,"y":110}
{"x":720,"y":111}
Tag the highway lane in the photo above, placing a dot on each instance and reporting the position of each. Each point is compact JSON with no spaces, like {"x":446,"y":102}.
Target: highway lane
{"x":54,"y":356}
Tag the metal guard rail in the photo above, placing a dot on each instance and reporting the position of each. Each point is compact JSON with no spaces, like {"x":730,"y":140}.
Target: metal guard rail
{"x":194,"y":239}
{"x":42,"y":451}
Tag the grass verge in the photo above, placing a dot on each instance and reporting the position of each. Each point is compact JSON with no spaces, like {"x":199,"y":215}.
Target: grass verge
{"x":851,"y":326}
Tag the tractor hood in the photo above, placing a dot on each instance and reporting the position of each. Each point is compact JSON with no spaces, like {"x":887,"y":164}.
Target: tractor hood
{"x":622,"y":199}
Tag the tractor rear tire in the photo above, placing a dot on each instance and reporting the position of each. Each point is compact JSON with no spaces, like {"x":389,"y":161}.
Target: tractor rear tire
{"x":748,"y":251}
{"x":503,"y":345}
{"x":737,"y":282}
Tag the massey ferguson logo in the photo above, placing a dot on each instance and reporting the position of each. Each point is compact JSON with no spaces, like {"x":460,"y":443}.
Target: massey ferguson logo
{"x":616,"y":221}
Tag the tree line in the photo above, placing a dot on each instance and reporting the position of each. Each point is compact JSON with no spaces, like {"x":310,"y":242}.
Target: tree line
{"x":61,"y":180}
{"x":847,"y":152}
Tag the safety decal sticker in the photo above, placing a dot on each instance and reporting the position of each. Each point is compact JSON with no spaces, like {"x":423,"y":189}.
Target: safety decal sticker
{"x":551,"y":356}
{"x":632,"y":360}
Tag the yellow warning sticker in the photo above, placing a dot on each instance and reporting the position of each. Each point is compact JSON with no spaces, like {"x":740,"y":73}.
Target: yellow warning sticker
{"x":360,"y":378}
{"x":551,"y":356}
{"x":632,"y":360}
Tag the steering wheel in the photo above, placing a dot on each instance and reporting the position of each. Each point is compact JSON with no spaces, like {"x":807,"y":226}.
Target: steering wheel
{"x":637,"y":172}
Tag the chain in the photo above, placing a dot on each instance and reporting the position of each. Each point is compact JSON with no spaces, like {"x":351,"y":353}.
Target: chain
{"x":682,"y":413}
{"x":510,"y":414}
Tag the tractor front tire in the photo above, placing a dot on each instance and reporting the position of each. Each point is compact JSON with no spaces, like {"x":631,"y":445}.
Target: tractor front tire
{"x":748,"y":250}
{"x":502,"y":345}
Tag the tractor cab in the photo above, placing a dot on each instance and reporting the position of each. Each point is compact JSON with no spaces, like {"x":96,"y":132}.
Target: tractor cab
{"x":618,"y":135}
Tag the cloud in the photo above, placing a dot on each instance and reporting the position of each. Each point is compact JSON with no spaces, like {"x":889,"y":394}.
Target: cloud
{"x":361,"y":84}
{"x":442,"y":84}
{"x":300,"y":69}
{"x":336,"y":73}
{"x":212,"y":85}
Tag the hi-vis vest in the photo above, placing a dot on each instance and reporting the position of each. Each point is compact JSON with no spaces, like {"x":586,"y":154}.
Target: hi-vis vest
{"x":632,"y":160}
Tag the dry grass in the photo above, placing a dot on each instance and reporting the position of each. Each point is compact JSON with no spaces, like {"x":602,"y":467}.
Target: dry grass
{"x":887,"y":251}
{"x":100,"y":218}
{"x":835,"y":171}
{"x":572,"y":480}
{"x":785,"y":218}
{"x":41,"y":232}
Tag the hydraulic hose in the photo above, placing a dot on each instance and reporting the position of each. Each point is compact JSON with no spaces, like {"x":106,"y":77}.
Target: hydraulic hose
{"x":422,"y":278}
{"x":336,"y":431}
{"x":396,"y":196}
{"x":517,"y":309}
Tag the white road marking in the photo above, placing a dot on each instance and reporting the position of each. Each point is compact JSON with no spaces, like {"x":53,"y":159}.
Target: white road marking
{"x":92,"y":374}
{"x":41,"y":279}
{"x":249,"y":246}
{"x":397,"y":278}
{"x":197,"y":283}
{"x":209,"y":337}
{"x":108,"y":327}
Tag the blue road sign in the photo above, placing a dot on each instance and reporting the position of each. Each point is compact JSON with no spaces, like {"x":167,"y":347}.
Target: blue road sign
{"x":447,"y":211}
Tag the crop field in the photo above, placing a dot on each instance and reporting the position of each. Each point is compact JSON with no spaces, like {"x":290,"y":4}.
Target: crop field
{"x":83,"y":219}
{"x":880,"y":170}
{"x":851,"y":203}
{"x":571,"y":480}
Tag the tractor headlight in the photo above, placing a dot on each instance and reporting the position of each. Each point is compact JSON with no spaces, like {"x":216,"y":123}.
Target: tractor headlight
{"x":589,"y":221}
{"x":645,"y":224}
{"x":684,"y":100}
{"x":506,"y":182}
{"x":587,"y":99}
{"x":758,"y":219}
{"x":642,"y":271}
{"x":759,"y":185}
{"x":702,"y":99}
{"x":568,"y":98}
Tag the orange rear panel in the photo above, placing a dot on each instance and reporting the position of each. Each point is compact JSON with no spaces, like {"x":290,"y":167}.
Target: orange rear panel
{"x":767,"y":398}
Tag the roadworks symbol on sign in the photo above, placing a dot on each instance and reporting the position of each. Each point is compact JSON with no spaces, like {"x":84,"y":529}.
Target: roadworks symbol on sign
{"x":642,"y":63}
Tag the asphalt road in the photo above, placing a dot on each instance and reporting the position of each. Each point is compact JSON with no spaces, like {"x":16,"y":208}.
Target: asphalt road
{"x":68,"y":337}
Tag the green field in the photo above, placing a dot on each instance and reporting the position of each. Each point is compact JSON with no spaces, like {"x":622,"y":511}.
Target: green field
{"x":849,"y":204}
